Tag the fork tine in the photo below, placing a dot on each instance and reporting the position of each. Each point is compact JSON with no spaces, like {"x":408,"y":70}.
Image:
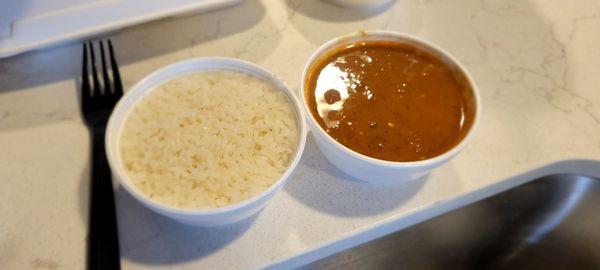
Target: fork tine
{"x":117,"y":84}
{"x":107,"y":87}
{"x":96,"y":90}
{"x":85,"y":81}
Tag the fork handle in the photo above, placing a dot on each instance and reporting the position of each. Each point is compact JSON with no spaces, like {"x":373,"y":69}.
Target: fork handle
{"x":103,"y":245}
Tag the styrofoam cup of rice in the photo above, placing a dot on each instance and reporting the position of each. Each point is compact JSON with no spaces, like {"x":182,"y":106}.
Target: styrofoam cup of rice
{"x":206,"y":141}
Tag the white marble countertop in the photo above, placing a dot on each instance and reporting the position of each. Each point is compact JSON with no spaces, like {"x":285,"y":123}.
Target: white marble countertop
{"x":536,"y":64}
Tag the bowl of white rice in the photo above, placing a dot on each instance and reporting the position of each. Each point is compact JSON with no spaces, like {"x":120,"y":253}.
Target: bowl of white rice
{"x":206,"y":141}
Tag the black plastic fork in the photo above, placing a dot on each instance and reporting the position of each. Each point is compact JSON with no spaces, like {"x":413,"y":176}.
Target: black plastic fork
{"x":97,"y":102}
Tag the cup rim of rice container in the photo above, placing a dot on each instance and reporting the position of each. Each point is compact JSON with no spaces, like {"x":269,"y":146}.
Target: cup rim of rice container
{"x":182,"y":68}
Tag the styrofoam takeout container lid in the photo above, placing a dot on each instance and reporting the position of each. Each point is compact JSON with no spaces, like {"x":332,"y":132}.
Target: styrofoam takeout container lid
{"x":33,"y":24}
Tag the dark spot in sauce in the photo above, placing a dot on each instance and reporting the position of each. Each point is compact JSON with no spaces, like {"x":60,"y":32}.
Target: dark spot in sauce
{"x":332,"y":96}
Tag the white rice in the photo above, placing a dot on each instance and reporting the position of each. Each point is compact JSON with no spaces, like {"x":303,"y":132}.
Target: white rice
{"x":209,"y":139}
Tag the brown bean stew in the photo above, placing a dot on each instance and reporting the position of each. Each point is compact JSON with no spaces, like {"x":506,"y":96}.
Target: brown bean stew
{"x":390,"y":100}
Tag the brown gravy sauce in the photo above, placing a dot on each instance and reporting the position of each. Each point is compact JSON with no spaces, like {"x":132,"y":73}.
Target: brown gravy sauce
{"x":390,"y":100}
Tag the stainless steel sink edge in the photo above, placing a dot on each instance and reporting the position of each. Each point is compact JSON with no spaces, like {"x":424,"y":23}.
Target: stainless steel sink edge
{"x":415,"y":216}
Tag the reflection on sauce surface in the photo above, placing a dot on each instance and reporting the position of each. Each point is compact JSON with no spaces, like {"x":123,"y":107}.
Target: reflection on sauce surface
{"x":390,"y":100}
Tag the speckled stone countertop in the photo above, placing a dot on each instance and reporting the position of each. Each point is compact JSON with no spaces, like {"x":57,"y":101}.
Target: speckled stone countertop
{"x":536,"y":64}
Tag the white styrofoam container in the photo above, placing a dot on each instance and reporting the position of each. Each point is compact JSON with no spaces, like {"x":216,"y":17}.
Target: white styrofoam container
{"x":38,"y":23}
{"x":362,"y":4}
{"x":211,"y":217}
{"x":366,"y":168}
